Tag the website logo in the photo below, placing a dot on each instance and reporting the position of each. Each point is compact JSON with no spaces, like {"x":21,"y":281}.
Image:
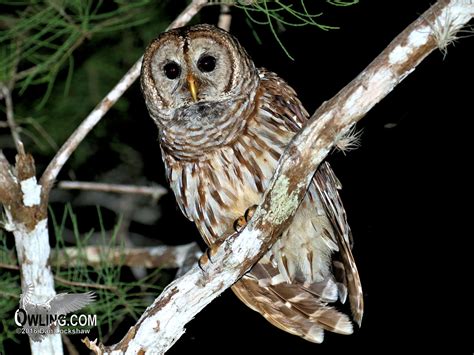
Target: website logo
{"x":40,"y":319}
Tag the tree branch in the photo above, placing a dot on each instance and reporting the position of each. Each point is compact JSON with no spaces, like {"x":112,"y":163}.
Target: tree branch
{"x":163,"y":322}
{"x":225,"y":17}
{"x":26,"y":218}
{"x":163,"y":256}
{"x":154,"y":191}
{"x":63,"y":154}
{"x":6,"y":94}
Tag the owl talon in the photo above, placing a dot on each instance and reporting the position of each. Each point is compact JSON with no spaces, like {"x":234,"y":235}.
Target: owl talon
{"x":240,"y":224}
{"x":250,"y":212}
{"x":208,"y":255}
{"x":202,"y":262}
{"x":212,"y":251}
{"x":242,"y":221}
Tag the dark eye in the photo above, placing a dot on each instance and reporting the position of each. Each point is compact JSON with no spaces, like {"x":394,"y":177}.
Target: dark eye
{"x":207,"y":63}
{"x":172,"y":70}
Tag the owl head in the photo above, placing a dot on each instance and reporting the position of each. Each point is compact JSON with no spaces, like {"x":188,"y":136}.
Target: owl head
{"x":193,"y":78}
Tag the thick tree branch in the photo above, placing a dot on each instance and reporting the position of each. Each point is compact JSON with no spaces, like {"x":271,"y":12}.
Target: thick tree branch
{"x":63,"y":154}
{"x":163,"y":322}
{"x":26,"y":219}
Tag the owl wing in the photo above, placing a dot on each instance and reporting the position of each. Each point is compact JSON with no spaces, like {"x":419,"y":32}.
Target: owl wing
{"x":344,"y":266}
{"x":298,"y":307}
{"x":327,"y":186}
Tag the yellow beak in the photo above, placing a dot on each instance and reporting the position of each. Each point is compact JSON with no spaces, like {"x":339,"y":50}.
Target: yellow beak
{"x":192,"y":87}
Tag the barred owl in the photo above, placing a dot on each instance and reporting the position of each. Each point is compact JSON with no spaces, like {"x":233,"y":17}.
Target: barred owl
{"x":223,"y":125}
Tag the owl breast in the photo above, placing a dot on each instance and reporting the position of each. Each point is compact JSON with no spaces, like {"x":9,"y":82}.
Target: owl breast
{"x":215,"y":191}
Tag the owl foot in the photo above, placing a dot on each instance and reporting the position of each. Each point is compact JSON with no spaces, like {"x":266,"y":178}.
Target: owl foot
{"x":207,"y":256}
{"x":211,"y":252}
{"x":242,"y":221}
{"x":239,"y":225}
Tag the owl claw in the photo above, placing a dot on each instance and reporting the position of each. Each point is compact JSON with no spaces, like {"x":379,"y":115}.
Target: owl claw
{"x":208,"y":255}
{"x":242,"y":221}
{"x":250,"y":212}
{"x":240,"y":224}
{"x":203,"y":260}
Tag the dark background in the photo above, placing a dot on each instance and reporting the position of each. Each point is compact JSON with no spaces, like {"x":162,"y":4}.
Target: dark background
{"x":406,"y":189}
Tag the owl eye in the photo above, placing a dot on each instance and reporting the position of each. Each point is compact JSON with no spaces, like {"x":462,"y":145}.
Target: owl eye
{"x":206,"y":64}
{"x":172,"y":70}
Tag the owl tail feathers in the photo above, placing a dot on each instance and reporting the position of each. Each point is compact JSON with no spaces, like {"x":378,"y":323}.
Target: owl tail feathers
{"x":302,"y":314}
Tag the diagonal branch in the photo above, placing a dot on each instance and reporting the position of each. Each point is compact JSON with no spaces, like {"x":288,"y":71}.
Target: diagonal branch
{"x":163,"y":322}
{"x":63,"y":154}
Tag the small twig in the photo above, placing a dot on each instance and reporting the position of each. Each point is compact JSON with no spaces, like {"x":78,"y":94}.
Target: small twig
{"x":9,"y":266}
{"x":225,"y":18}
{"x":154,"y":191}
{"x":6,"y":93}
{"x":63,"y":154}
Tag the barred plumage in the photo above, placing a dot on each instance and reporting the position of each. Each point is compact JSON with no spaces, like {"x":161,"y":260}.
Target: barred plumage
{"x":222,"y":132}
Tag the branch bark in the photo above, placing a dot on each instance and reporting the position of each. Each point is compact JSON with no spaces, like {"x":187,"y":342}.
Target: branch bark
{"x":163,"y":322}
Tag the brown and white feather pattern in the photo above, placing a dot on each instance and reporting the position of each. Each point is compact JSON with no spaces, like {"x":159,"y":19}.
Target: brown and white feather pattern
{"x":311,"y":265}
